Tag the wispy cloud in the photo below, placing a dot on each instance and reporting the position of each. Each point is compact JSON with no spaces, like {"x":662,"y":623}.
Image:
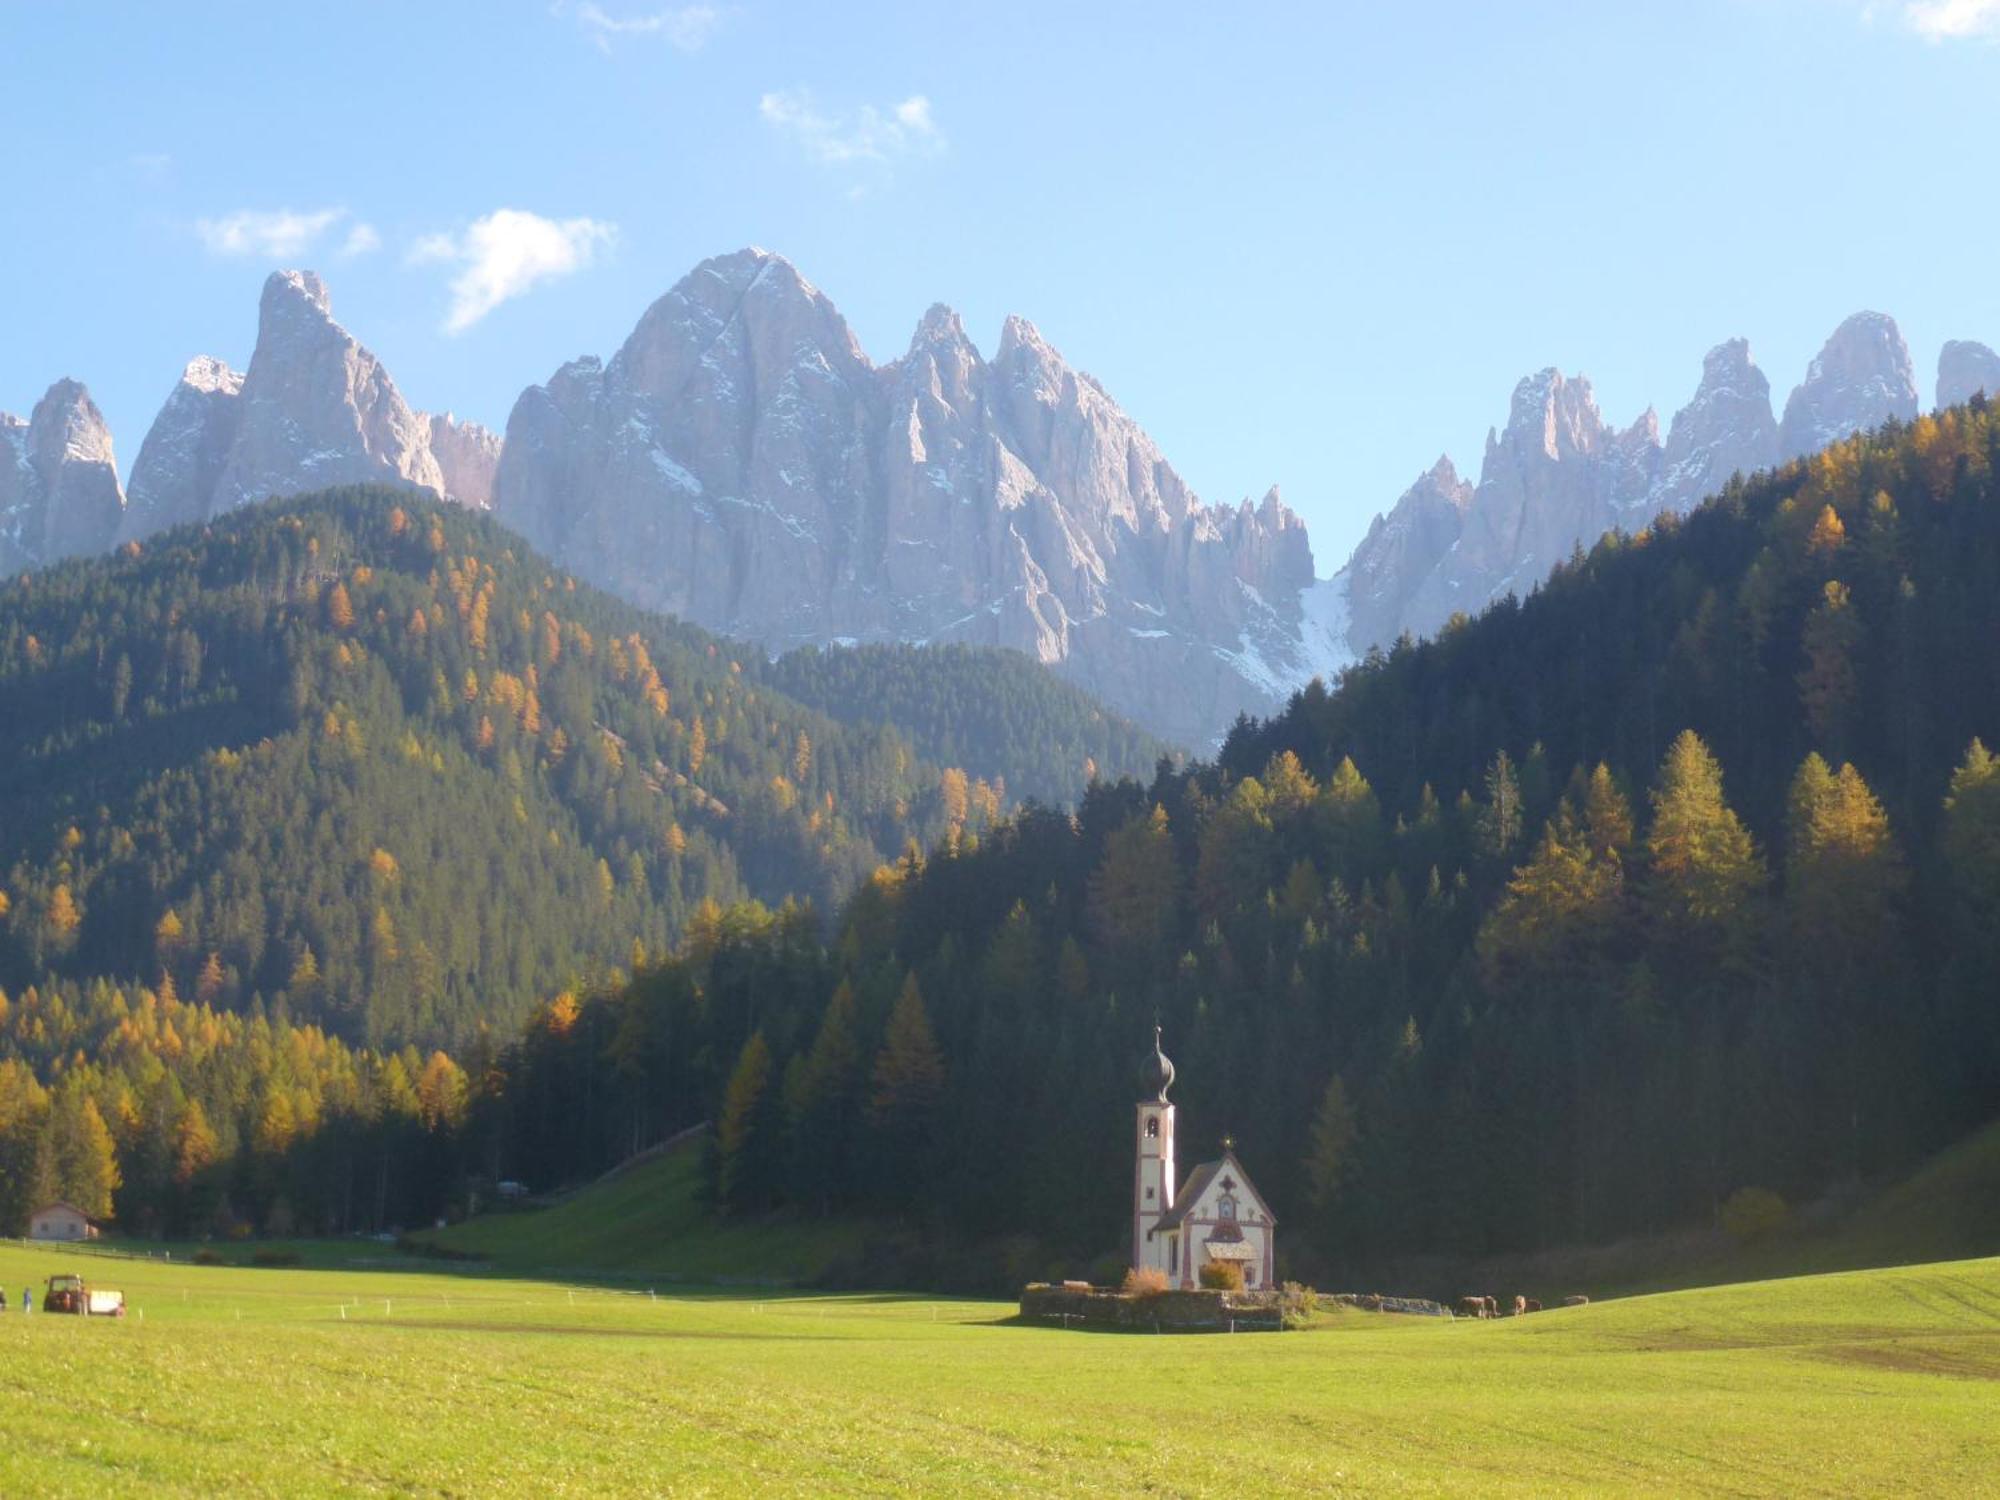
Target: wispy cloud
{"x":684,"y":27}
{"x":867,"y":136}
{"x":1954,"y":20}
{"x":505,"y":254}
{"x":362,"y":239}
{"x":271,"y":234}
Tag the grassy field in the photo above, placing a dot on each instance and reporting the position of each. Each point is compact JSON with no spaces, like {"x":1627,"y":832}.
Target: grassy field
{"x":644,"y":1221}
{"x":377,"y":1380}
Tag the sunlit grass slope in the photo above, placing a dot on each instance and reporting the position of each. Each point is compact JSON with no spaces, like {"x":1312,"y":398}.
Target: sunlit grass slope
{"x":283,"y":1382}
{"x":649,"y":1221}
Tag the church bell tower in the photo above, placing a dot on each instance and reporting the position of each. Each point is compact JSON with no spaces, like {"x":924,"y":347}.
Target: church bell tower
{"x":1153,"y":1166}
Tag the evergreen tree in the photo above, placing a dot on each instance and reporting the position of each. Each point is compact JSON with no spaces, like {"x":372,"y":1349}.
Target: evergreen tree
{"x":1134,"y":895}
{"x":1500,"y":819}
{"x":824,"y":1107}
{"x":908,"y":1082}
{"x":1329,"y":1154}
{"x":747,"y":1132}
{"x":1703,"y":873}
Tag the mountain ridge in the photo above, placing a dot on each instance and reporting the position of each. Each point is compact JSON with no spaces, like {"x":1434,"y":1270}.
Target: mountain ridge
{"x":740,"y":460}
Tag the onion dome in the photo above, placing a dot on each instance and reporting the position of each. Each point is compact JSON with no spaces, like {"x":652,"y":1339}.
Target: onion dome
{"x":1156,"y":1073}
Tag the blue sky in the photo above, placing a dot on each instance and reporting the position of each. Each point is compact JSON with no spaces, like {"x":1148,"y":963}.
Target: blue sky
{"x":1306,"y":244}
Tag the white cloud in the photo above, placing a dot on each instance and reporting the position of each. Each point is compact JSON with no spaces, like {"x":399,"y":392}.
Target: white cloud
{"x":362,"y":239}
{"x":505,"y":254}
{"x":684,"y":27}
{"x":270,"y":234}
{"x":1953,"y":20}
{"x":869,"y":135}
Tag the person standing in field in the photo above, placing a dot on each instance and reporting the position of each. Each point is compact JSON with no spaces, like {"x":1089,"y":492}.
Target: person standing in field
{"x":27,"y":1299}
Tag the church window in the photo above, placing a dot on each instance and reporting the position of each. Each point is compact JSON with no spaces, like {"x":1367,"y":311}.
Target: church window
{"x":1225,"y":1207}
{"x":1149,"y":1195}
{"x":1173,"y":1255}
{"x":1153,"y":1128}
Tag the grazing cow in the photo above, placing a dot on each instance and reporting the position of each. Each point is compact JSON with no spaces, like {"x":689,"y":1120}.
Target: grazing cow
{"x":1576,"y":1301}
{"x":1533,"y":1306}
{"x":1492,"y":1307}
{"x":1472,"y":1307}
{"x":1520,"y":1306}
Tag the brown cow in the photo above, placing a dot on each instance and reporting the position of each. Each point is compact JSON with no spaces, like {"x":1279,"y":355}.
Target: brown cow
{"x":1533,"y":1305}
{"x":1576,"y":1301}
{"x":1472,"y":1307}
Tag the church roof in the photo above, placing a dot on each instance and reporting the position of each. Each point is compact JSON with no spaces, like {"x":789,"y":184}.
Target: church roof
{"x":1197,"y":1184}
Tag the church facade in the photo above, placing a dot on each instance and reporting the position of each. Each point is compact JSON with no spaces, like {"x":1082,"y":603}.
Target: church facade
{"x":1216,"y":1215}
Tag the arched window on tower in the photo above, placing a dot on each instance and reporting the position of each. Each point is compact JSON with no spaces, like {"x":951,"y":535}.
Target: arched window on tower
{"x":1152,"y":1127}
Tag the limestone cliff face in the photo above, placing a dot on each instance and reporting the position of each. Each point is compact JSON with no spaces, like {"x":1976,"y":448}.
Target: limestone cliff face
{"x":59,"y":490}
{"x":1727,"y":429}
{"x":315,"y":408}
{"x":1964,"y":370}
{"x":741,"y":462}
{"x":1401,"y":550}
{"x":468,"y":458}
{"x":1558,"y":476}
{"x":182,"y":458}
{"x":1555,"y":473}
{"x":1859,"y":379}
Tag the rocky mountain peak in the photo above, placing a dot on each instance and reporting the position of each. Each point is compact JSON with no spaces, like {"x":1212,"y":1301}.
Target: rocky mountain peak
{"x":206,"y":375}
{"x":1728,"y":366}
{"x":59,"y":490}
{"x":939,"y":325}
{"x":741,"y":462}
{"x":1860,"y":378}
{"x":67,"y":427}
{"x":1966,"y":368}
{"x":1726,"y":429}
{"x":185,"y":449}
{"x":289,"y":292}
{"x":317,"y":408}
{"x":1556,"y":476}
{"x":1553,"y":416}
{"x":314,"y":409}
{"x":1402,"y":549}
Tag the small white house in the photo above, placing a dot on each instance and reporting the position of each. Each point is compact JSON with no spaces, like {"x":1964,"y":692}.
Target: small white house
{"x":61,"y":1221}
{"x":1218,"y":1215}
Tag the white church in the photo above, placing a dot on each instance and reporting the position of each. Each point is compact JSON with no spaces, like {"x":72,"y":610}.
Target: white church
{"x":1217,"y":1216}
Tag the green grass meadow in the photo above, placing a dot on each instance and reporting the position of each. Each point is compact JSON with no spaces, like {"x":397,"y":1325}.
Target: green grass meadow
{"x":373,"y":1379}
{"x":648,"y":1221}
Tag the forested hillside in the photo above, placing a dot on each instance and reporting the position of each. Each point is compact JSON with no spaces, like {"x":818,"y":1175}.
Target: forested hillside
{"x":992,"y":712}
{"x":1678,"y":879}
{"x":366,"y":758}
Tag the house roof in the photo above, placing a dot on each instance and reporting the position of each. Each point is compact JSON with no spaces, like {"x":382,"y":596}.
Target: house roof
{"x":1197,"y":1184}
{"x":59,"y":1203}
{"x":1231,"y":1250}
